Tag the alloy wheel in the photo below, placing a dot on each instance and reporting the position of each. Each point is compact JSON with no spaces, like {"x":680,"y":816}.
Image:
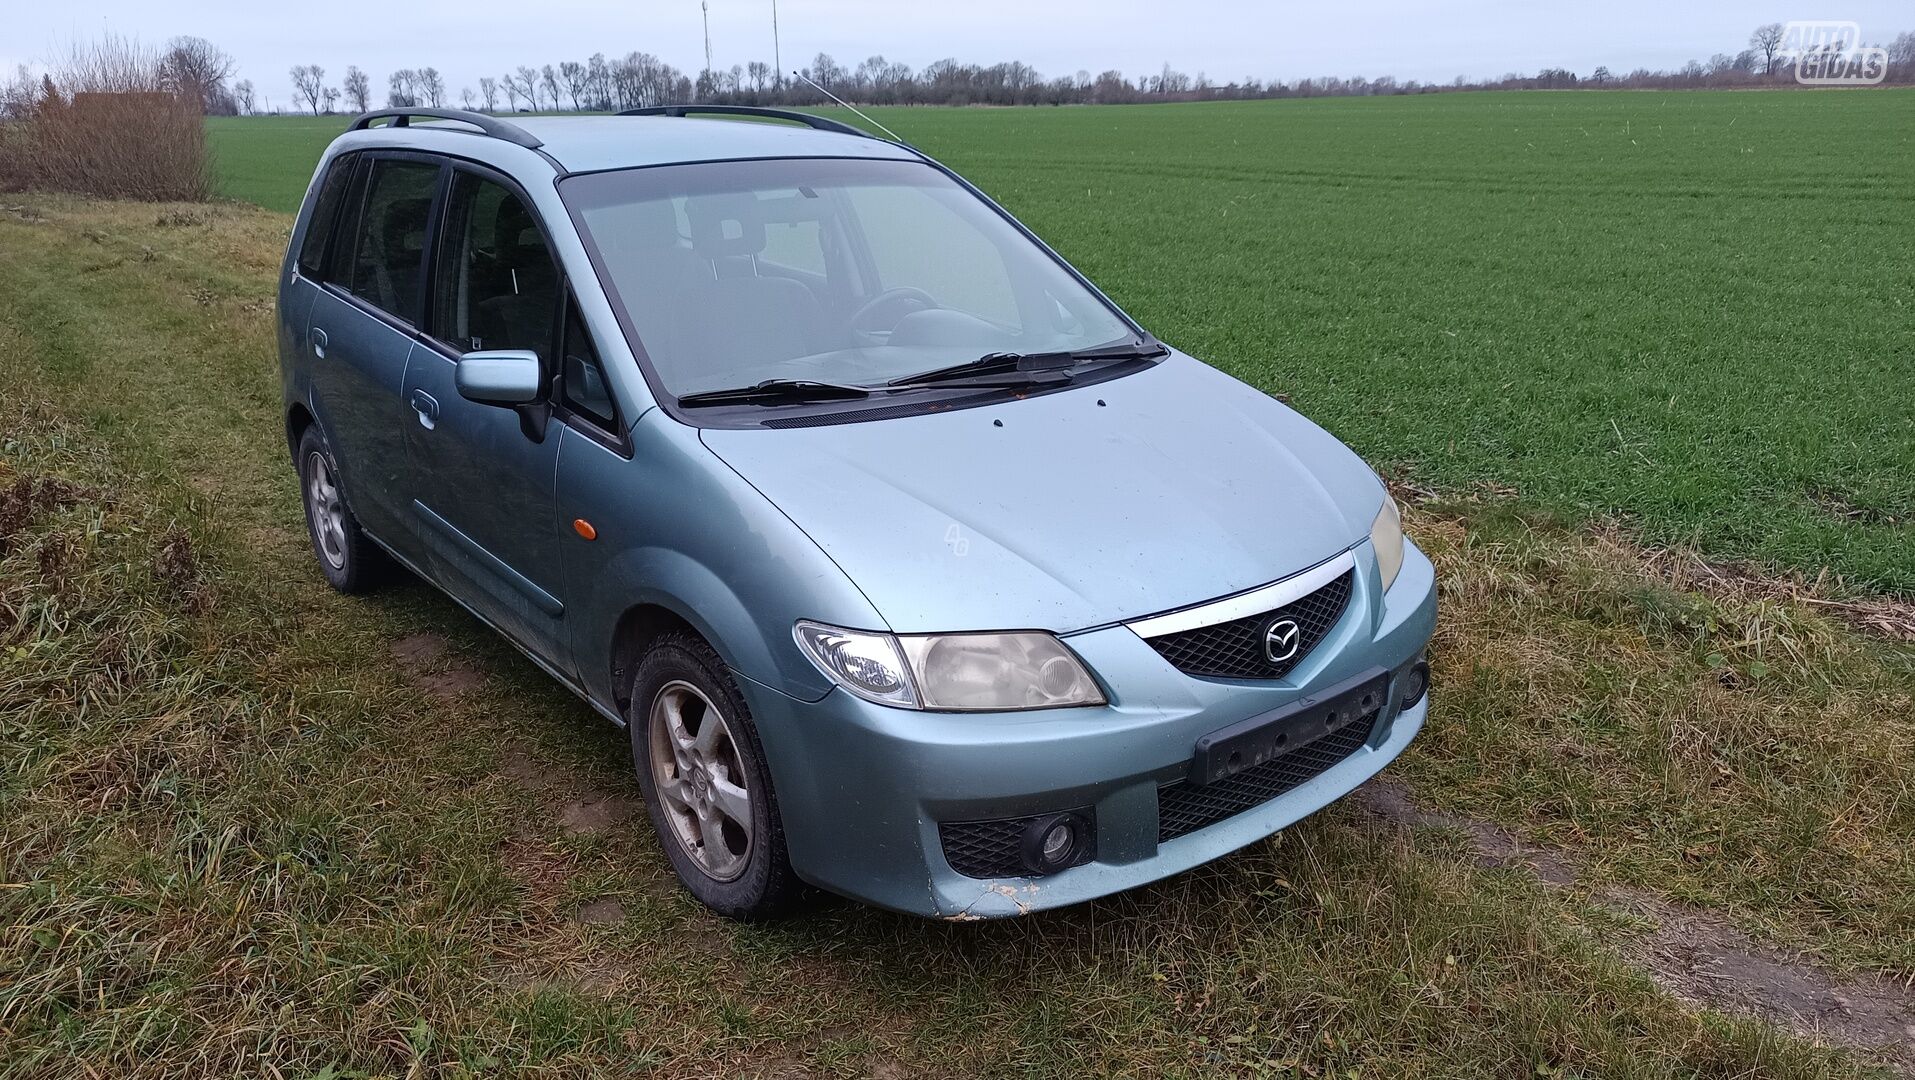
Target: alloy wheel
{"x":702,"y":784}
{"x":327,"y":509}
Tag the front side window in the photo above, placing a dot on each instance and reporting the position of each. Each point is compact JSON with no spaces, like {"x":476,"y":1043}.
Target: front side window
{"x":388,"y":264}
{"x":497,"y":284}
{"x":852,"y":271}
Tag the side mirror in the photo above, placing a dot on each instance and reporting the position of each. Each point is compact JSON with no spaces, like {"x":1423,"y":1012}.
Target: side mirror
{"x":504,"y":377}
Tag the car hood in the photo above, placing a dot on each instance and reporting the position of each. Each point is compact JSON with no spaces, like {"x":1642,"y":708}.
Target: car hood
{"x":1079,"y":508}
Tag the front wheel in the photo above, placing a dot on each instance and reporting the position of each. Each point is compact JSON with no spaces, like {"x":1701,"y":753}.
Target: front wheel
{"x":706,"y":785}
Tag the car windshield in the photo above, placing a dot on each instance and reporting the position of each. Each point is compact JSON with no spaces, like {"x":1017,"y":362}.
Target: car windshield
{"x":851,"y":271}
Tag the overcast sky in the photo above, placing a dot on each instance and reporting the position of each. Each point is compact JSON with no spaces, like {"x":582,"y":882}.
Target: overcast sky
{"x":1226,"y":39}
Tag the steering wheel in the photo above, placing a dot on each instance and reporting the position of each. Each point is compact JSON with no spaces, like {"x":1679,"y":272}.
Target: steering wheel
{"x":879,"y":315}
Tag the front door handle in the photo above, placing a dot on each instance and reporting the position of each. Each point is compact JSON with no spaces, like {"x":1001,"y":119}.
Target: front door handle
{"x":319,"y":342}
{"x":426,"y":407}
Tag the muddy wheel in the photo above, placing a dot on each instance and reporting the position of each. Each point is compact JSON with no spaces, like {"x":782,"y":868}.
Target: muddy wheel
{"x":703,"y":772}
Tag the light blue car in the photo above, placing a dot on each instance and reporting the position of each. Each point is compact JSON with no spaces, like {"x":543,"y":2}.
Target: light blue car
{"x":917,"y":571}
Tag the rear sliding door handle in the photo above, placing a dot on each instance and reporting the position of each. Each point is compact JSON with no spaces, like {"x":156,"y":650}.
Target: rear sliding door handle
{"x":319,"y":342}
{"x":426,"y":407}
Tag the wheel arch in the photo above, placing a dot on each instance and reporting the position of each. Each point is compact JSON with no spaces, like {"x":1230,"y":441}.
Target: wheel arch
{"x":636,"y":630}
{"x":298,"y":419}
{"x":655,"y":588}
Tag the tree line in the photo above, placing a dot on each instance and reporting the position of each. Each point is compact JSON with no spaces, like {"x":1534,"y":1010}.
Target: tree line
{"x":640,"y":79}
{"x":199,"y":70}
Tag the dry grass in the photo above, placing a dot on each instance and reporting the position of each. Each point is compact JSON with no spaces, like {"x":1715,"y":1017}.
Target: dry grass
{"x":1718,"y":738}
{"x":244,"y":831}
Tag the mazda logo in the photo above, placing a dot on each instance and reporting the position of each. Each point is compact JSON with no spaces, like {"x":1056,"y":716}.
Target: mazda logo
{"x":1280,"y":641}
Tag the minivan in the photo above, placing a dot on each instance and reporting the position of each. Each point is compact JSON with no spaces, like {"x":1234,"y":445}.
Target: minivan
{"x":917,"y":571}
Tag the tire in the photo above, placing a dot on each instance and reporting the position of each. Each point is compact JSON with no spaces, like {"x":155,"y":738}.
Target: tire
{"x":728,"y":853}
{"x":350,"y":560}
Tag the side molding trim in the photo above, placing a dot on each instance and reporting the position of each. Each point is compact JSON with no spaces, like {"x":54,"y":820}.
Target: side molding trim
{"x":541,"y":599}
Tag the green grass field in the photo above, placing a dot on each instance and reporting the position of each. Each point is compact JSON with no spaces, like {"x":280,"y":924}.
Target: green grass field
{"x":1690,"y":311}
{"x":251,"y":827}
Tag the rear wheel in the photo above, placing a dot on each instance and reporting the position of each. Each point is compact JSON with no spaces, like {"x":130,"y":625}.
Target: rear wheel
{"x":705,"y":781}
{"x":348,"y":557}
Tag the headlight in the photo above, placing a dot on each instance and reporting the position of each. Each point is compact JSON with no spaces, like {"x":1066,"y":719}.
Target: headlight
{"x":998,"y":671}
{"x":1386,"y":536}
{"x":958,"y":672}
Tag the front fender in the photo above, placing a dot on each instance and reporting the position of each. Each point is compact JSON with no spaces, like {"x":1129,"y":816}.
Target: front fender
{"x":676,"y":528}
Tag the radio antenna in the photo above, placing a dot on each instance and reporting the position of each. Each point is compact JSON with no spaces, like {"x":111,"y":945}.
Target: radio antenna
{"x":809,"y":82}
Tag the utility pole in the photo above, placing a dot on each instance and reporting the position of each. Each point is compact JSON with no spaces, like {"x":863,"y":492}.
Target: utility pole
{"x":777,"y":59}
{"x":706,"y":8}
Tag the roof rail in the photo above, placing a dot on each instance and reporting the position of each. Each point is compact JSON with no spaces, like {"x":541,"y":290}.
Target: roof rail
{"x":822,"y":123}
{"x":490,"y":125}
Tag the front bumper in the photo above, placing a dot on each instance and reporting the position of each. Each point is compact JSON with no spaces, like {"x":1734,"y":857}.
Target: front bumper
{"x":862,"y":788}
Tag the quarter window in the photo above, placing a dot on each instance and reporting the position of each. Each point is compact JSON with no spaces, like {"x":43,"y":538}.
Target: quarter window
{"x":498,"y":285}
{"x":389,"y":260}
{"x":332,"y":191}
{"x":583,"y":383}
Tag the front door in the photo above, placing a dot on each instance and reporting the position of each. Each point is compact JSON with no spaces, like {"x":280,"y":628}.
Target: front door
{"x":482,"y":487}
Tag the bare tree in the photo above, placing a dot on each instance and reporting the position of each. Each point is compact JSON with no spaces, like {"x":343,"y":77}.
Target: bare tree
{"x":18,"y":96}
{"x":195,"y":69}
{"x":1767,"y":40}
{"x":465,"y":97}
{"x":331,"y":94}
{"x":827,"y":72}
{"x":1901,"y":53}
{"x":573,"y":74}
{"x":526,"y":81}
{"x":309,"y":85}
{"x":243,"y":95}
{"x":759,"y":72}
{"x":549,"y":79}
{"x":358,"y":89}
{"x":431,"y":86}
{"x":489,"y":90}
{"x":641,"y":79}
{"x":598,"y":82}
{"x":400,"y":89}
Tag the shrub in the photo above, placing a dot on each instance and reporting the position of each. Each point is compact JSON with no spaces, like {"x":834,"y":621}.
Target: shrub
{"x":108,"y":123}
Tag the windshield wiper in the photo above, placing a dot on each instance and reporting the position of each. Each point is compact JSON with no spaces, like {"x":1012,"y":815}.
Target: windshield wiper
{"x":998,"y":369}
{"x":775,"y":392}
{"x":1023,"y":369}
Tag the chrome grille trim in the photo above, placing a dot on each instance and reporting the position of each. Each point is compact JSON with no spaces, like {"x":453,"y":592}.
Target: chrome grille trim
{"x":1258,"y":600}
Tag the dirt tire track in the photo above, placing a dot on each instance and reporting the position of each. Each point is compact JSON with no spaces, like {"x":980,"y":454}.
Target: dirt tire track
{"x":1698,"y":956}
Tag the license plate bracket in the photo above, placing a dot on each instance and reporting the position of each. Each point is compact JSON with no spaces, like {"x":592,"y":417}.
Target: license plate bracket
{"x":1246,"y":744}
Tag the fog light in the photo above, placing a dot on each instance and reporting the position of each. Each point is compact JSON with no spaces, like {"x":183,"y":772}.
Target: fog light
{"x":1416,"y":682}
{"x":1056,"y":842}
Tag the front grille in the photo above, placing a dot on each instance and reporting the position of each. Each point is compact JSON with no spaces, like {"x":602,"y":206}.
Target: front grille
{"x":1235,"y":649}
{"x":984,"y":849}
{"x":1183,"y":807}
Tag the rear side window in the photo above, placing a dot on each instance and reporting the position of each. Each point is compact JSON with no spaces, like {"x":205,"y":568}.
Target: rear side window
{"x":332,"y":191}
{"x":388,"y":264}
